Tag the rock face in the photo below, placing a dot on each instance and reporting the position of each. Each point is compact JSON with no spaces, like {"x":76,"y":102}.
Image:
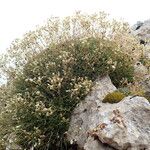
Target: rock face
{"x":125,"y":125}
{"x":142,"y":30}
{"x":102,"y":126}
{"x":85,"y":116}
{"x":140,"y":70}
{"x":142,"y":73}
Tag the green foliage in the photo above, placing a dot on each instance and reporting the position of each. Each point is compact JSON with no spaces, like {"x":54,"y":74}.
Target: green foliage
{"x":113,"y":97}
{"x":123,"y":72}
{"x":54,"y":82}
{"x":48,"y":81}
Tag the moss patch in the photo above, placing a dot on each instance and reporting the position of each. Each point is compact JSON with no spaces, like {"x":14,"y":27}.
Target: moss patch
{"x":113,"y":97}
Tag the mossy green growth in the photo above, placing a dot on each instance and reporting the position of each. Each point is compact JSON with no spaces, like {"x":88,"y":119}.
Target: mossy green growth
{"x":113,"y":97}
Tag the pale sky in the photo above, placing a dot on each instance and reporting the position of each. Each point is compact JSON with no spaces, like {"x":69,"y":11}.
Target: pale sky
{"x":19,"y":16}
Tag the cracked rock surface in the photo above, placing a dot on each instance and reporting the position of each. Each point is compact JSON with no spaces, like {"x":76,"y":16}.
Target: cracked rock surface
{"x":102,"y":126}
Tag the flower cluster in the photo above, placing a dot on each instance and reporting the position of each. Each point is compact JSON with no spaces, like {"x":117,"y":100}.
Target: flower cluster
{"x":50,"y":70}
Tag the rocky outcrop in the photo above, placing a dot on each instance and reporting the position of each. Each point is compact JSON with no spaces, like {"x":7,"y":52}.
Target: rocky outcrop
{"x":142,"y":30}
{"x":85,"y":116}
{"x":141,"y":73}
{"x":102,"y":126}
{"x":125,"y":125}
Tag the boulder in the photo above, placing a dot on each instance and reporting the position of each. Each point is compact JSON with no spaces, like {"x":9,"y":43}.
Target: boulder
{"x":142,"y":30}
{"x":142,"y":75}
{"x":137,"y":25}
{"x":101,"y":126}
{"x":85,"y":116}
{"x":125,"y":125}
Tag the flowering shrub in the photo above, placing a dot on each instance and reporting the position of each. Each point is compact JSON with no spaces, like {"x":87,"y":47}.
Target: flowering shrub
{"x":55,"y":81}
{"x":54,"y":69}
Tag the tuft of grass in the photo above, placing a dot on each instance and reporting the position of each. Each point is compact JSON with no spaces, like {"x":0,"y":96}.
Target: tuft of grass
{"x":113,"y":97}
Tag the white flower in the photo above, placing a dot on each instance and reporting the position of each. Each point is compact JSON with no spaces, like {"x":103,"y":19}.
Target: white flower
{"x":37,"y":92}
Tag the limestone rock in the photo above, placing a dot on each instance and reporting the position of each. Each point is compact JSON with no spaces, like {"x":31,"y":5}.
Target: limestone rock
{"x":142,"y":30}
{"x":93,"y":144}
{"x":142,"y":75}
{"x":102,"y":126}
{"x":85,"y":116}
{"x":137,"y":25}
{"x":125,"y":125}
{"x":140,"y":70}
